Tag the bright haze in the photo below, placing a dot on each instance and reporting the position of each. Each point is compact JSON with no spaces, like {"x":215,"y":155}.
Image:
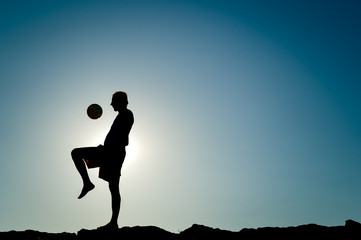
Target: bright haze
{"x":247,"y":113}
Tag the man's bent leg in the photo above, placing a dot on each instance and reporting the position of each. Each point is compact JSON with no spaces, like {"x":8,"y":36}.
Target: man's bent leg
{"x":77,"y":155}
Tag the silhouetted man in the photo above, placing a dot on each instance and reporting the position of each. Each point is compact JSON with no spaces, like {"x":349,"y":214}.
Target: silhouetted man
{"x":109,"y":158}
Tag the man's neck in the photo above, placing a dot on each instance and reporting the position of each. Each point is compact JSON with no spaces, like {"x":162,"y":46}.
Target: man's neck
{"x":121,"y":110}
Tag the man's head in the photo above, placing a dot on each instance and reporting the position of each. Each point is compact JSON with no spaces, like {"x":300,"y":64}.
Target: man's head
{"x":119,"y":100}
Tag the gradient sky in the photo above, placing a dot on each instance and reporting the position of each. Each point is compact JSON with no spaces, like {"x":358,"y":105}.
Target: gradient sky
{"x":247,"y":113}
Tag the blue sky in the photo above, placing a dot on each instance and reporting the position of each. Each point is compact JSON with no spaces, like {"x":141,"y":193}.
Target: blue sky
{"x":246,"y":112}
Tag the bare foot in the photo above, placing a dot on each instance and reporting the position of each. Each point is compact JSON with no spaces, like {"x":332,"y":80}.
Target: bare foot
{"x":86,"y":189}
{"x":109,"y":227}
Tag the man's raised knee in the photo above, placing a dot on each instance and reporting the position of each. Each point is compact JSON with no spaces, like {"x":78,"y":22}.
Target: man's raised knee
{"x":75,"y":153}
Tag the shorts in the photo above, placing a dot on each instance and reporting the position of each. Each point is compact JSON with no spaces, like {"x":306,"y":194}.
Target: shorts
{"x":109,"y":161}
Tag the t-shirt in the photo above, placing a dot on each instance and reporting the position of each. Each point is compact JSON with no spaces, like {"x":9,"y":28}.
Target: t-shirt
{"x":119,"y":131}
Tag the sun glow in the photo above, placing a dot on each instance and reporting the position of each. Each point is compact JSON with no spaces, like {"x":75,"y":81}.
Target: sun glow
{"x":98,"y":139}
{"x":132,"y":150}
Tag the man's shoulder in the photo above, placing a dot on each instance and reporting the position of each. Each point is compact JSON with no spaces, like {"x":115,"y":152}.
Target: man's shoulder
{"x":129,"y":112}
{"x":125,"y":114}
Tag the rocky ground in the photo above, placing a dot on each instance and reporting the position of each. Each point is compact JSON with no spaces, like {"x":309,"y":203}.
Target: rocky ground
{"x":351,"y":230}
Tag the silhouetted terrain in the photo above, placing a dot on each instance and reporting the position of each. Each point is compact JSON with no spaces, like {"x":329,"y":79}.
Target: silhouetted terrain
{"x":351,"y":230}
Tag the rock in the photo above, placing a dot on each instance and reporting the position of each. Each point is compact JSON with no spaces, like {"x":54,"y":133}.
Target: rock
{"x":351,"y":230}
{"x":127,"y":233}
{"x":203,"y":232}
{"x":35,"y":235}
{"x":353,"y":227}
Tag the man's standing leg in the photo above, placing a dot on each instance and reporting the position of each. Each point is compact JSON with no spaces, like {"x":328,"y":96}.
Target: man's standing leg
{"x":78,"y":154}
{"x":115,"y":196}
